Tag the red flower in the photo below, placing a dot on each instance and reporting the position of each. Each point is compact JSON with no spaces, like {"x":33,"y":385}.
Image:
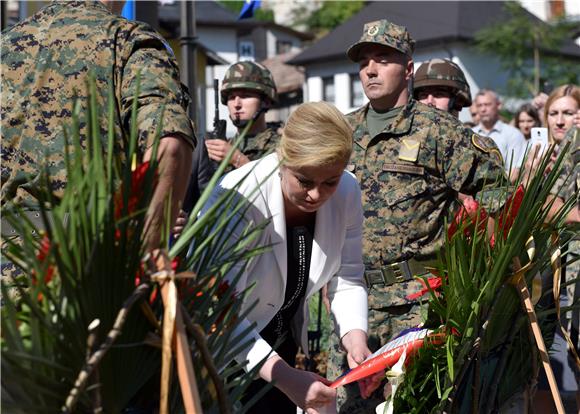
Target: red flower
{"x":509,"y":213}
{"x":467,"y":218}
{"x":136,"y":192}
{"x":434,"y":284}
{"x":42,"y":256}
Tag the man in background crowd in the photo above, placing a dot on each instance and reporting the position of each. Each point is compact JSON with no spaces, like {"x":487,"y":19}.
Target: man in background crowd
{"x":508,"y":139}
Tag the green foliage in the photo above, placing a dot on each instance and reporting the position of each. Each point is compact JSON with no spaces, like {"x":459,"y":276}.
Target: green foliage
{"x":518,"y":43}
{"x":330,"y":15}
{"x":489,"y":353}
{"x":85,"y":267}
{"x":237,"y":5}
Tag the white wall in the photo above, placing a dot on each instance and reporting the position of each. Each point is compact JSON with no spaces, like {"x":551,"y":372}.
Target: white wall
{"x":340,"y":71}
{"x":273,"y":35}
{"x":541,"y":8}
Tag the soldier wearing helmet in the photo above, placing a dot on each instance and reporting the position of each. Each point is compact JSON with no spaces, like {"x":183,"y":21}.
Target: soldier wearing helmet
{"x":441,"y":83}
{"x":248,"y":90}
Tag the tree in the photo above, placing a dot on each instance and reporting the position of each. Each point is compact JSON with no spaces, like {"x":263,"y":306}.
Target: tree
{"x":517,"y":41}
{"x":330,"y":15}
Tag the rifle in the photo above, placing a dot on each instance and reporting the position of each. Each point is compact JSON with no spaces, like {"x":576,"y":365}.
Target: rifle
{"x":219,"y":125}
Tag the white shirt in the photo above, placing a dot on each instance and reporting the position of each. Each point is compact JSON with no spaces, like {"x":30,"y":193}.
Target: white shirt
{"x":510,"y":141}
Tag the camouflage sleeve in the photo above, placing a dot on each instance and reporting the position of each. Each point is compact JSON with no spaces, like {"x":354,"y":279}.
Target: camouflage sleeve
{"x":470,"y":162}
{"x":160,"y":90}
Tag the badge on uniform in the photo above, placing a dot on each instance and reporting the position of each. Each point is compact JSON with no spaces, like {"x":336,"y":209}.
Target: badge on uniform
{"x":409,"y":150}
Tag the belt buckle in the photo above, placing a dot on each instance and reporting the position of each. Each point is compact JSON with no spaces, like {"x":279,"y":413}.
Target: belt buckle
{"x":373,"y":276}
{"x":397,"y":272}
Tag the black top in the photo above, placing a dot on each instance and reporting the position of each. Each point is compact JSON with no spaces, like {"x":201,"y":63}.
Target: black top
{"x":299,"y":248}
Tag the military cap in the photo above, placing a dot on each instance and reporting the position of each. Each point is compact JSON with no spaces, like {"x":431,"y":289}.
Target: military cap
{"x":383,"y":32}
{"x":443,"y":72}
{"x":251,"y":76}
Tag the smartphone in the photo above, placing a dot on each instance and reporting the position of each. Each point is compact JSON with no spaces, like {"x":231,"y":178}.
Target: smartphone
{"x":539,"y":136}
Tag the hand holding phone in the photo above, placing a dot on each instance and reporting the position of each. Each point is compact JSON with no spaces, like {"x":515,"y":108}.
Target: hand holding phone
{"x":539,"y":136}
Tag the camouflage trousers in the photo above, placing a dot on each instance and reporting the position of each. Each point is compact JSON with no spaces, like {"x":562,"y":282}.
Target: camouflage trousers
{"x":385,"y":322}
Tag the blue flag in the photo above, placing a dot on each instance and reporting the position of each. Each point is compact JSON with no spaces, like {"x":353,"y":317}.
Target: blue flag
{"x":250,"y":6}
{"x":129,"y":10}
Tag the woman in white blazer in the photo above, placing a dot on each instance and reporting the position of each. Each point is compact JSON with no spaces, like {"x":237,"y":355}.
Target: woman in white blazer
{"x":315,"y":230}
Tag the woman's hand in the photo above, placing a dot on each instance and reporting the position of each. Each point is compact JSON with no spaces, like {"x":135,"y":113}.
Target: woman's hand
{"x":355,"y":345}
{"x":306,"y":389}
{"x":180,"y":223}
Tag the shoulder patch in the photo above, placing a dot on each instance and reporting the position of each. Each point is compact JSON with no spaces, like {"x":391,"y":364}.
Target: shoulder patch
{"x":486,"y":145}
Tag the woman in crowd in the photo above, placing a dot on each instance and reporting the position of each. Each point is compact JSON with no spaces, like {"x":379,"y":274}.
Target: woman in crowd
{"x":315,"y":230}
{"x":527,"y":118}
{"x":560,"y":111}
{"x":562,"y":118}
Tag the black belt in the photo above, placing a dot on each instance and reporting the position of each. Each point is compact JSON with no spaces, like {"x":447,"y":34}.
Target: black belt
{"x":397,"y":272}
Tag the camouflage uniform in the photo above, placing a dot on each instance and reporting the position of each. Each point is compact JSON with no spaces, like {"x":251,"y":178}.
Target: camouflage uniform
{"x":410,"y":176}
{"x":263,"y":143}
{"x":46,"y":60}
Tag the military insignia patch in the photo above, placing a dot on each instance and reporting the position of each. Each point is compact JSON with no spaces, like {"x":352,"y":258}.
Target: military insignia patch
{"x":486,"y":145}
{"x":373,"y":30}
{"x":409,"y":150}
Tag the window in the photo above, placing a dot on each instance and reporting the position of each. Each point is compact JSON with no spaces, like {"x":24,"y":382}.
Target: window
{"x":283,"y":46}
{"x":328,"y":89}
{"x":246,"y":50}
{"x":357,"y":94}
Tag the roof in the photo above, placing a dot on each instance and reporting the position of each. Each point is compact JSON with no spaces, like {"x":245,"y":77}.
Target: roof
{"x":286,"y":77}
{"x":429,"y":22}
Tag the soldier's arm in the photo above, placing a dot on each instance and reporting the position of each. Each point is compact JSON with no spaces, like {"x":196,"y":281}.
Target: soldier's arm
{"x":174,"y":156}
{"x":150,"y":75}
{"x":470,"y":162}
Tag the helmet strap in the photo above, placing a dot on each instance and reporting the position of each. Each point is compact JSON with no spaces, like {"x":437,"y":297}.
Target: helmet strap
{"x":451,"y":104}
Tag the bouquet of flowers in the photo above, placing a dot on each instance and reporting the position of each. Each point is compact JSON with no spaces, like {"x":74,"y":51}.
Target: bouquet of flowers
{"x":479,"y":298}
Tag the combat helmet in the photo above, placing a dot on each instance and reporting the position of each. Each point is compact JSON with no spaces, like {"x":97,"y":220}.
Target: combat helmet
{"x":443,"y":72}
{"x":249,"y":75}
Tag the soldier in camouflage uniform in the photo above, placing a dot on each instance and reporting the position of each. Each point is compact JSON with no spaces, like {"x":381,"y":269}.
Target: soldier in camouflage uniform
{"x":46,"y":62}
{"x":412,"y":161}
{"x":248,"y":90}
{"x":441,"y":83}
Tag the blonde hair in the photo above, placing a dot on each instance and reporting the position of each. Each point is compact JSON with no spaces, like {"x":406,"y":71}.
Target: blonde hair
{"x":570,"y":90}
{"x":316,"y":133}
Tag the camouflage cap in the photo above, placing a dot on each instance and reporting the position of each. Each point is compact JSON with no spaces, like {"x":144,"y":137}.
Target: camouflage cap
{"x":383,"y":32}
{"x":443,"y":72}
{"x":249,"y":75}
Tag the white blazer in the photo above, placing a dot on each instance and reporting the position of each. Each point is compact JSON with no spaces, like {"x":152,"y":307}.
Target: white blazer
{"x":336,"y":256}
